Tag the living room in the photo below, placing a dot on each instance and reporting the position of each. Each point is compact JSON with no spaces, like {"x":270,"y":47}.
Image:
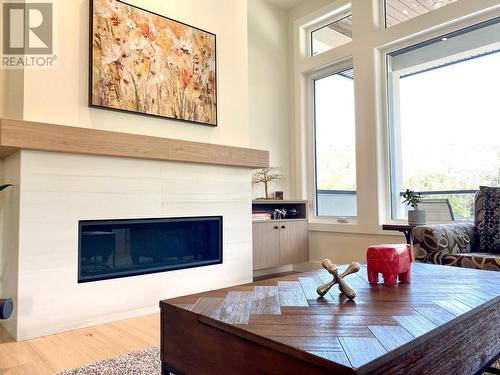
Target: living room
{"x":271,"y":186}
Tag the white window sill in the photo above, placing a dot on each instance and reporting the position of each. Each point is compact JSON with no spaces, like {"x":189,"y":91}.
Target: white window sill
{"x":350,"y":225}
{"x":331,"y":225}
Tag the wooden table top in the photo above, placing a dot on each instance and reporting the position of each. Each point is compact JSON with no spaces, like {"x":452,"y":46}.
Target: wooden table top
{"x":285,"y":314}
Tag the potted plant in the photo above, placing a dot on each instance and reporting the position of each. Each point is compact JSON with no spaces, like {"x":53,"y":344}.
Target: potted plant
{"x":415,"y":216}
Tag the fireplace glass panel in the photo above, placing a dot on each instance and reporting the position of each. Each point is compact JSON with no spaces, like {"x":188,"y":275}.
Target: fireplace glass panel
{"x":118,"y":248}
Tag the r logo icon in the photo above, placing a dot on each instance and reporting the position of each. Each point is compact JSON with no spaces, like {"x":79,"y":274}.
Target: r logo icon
{"x":27,"y":29}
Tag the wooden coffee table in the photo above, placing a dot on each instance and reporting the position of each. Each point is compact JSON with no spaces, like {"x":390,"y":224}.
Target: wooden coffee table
{"x":447,"y":321}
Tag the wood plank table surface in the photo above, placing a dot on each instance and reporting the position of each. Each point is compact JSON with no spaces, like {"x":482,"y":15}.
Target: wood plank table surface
{"x":446,"y":321}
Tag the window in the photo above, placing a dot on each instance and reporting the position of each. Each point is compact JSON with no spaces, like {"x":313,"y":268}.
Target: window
{"x":445,"y":136}
{"x":332,"y":35}
{"x":397,"y":11}
{"x":335,"y":145}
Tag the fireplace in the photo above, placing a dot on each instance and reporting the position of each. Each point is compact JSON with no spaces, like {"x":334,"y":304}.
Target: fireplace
{"x":119,"y":248}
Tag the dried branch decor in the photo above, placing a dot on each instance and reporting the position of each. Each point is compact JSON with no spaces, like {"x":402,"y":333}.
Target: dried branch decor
{"x":267,"y":176}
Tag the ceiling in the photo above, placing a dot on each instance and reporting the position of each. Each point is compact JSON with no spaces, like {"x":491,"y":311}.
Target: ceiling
{"x":287,"y":4}
{"x":402,"y":10}
{"x":397,"y":10}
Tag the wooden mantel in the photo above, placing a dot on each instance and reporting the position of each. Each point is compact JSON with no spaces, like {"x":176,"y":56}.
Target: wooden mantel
{"x":18,"y":135}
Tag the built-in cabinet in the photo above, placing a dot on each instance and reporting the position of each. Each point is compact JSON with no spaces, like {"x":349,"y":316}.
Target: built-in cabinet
{"x":279,"y":242}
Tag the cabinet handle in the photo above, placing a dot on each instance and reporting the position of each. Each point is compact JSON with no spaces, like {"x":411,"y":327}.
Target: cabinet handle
{"x":283,"y":227}
{"x":275,"y":227}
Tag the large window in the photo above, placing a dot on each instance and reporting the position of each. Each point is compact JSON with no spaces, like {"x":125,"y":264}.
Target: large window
{"x":445,"y":131}
{"x":335,"y":145}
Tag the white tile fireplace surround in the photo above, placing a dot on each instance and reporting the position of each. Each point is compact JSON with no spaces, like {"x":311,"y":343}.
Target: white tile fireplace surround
{"x":56,"y":190}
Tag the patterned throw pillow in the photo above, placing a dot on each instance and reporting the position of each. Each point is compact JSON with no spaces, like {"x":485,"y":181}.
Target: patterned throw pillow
{"x":489,"y":231}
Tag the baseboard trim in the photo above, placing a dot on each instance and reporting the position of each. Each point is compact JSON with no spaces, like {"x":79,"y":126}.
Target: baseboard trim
{"x":307,"y":266}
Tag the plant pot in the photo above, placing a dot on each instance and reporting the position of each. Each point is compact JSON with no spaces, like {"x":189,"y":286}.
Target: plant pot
{"x":416,"y":217}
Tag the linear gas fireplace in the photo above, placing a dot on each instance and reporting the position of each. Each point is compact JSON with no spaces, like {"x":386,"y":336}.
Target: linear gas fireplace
{"x":119,"y":248}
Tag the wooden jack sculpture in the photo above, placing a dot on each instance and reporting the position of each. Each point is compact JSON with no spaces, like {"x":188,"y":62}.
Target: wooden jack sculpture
{"x":338,"y":279}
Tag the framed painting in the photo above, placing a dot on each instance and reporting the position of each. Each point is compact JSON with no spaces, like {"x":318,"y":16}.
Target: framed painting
{"x":145,"y":63}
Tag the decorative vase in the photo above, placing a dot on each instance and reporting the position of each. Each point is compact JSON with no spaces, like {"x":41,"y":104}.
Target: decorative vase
{"x":416,"y":217}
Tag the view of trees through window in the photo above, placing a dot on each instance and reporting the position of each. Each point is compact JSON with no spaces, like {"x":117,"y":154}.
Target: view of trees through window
{"x":449,"y":132}
{"x":335,"y":145}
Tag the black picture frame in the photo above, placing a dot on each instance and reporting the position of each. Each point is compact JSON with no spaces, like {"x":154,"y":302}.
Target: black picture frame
{"x":91,"y":78}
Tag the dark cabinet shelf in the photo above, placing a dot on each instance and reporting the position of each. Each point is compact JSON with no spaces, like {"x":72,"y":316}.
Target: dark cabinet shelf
{"x":295,"y":210}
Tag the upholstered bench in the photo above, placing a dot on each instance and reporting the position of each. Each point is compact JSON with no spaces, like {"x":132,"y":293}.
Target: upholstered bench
{"x":464,"y":244}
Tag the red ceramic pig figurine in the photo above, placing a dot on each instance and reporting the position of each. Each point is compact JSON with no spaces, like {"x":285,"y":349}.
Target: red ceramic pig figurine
{"x":392,"y":261}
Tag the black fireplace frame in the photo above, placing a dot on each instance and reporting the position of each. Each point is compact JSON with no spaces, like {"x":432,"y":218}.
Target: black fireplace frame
{"x":117,"y":275}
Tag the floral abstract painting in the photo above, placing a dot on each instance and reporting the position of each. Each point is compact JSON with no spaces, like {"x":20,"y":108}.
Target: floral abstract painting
{"x":145,"y":63}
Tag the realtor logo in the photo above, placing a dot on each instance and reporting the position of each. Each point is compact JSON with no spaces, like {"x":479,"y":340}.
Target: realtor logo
{"x":28,"y":35}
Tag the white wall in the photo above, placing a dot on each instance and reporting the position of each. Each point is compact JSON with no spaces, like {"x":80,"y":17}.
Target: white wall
{"x":11,"y":89}
{"x":345,"y":247}
{"x":9,"y":255}
{"x":11,"y":93}
{"x":57,"y":190}
{"x":268,"y":71}
{"x":60,"y":95}
{"x":305,"y":8}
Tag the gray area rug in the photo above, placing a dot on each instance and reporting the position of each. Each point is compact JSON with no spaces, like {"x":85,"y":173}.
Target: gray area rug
{"x":142,"y":362}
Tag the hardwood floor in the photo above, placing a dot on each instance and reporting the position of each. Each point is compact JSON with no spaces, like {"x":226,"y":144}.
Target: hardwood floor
{"x":51,"y":354}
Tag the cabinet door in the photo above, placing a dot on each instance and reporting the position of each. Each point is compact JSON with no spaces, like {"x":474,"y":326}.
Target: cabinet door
{"x":294,"y":247}
{"x":265,"y":245}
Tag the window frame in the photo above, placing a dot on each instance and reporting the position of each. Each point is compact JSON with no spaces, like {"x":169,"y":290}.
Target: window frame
{"x":335,"y":68}
{"x":318,"y":26}
{"x":391,"y":131}
{"x":336,"y":14}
